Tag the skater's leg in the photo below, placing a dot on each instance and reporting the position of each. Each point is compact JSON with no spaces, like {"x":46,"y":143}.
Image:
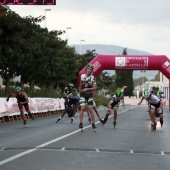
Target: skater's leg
{"x":152,"y":115}
{"x":31,"y":115}
{"x":23,"y":117}
{"x":106,"y":117}
{"x":22,"y":114}
{"x":74,"y":112}
{"x":115,"y":116}
{"x":90,"y":106}
{"x":88,"y":113}
{"x":153,"y":118}
{"x":82,"y":109}
{"x":161,"y":119}
{"x":64,"y":112}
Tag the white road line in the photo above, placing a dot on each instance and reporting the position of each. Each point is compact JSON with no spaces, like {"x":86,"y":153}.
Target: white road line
{"x":3,"y":148}
{"x":63,"y":149}
{"x":131,"y":151}
{"x":40,"y":146}
{"x":17,"y":156}
{"x":97,"y":150}
{"x":162,"y":153}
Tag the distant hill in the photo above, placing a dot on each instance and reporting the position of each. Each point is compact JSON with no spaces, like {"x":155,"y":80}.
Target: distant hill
{"x":111,"y":50}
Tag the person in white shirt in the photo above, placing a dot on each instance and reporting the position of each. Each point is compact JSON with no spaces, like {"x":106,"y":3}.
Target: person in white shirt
{"x":155,"y":108}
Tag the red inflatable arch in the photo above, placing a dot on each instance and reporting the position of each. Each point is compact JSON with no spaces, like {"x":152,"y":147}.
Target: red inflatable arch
{"x":131,"y":62}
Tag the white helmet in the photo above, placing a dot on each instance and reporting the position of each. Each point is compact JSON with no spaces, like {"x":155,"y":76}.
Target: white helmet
{"x":147,"y":94}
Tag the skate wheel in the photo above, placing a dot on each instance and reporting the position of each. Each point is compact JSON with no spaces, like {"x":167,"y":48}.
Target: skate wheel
{"x":153,"y":128}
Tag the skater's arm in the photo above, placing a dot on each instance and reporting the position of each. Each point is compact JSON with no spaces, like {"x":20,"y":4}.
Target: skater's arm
{"x":161,"y":104}
{"x":88,"y":89}
{"x":7,"y":99}
{"x":124,"y":87}
{"x":11,"y":95}
{"x":25,"y":102}
{"x":141,"y":100}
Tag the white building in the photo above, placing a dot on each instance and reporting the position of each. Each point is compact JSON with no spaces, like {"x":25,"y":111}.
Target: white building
{"x":163,"y":85}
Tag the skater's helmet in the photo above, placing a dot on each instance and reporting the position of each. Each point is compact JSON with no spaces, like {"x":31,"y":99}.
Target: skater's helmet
{"x":145,"y":90}
{"x":89,"y":66}
{"x":118,"y":92}
{"x":74,"y":91}
{"x":17,"y":89}
{"x":147,"y":94}
{"x":70,"y":85}
{"x":155,"y":87}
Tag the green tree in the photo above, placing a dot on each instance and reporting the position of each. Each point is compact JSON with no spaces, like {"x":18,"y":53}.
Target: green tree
{"x":125,"y":77}
{"x":10,"y":42}
{"x":105,"y":81}
{"x":140,"y":81}
{"x":157,"y":77}
{"x":38,"y":56}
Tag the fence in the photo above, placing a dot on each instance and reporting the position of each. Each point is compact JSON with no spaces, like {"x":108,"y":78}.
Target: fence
{"x":9,"y":111}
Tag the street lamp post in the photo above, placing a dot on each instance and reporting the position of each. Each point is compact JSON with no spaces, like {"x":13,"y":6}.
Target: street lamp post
{"x":45,"y":17}
{"x":80,"y":45}
{"x":68,"y":28}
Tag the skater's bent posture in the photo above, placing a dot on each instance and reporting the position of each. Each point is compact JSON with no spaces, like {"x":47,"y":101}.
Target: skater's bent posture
{"x":155,"y":108}
{"x":22,"y":100}
{"x":73,"y":101}
{"x":113,"y":106}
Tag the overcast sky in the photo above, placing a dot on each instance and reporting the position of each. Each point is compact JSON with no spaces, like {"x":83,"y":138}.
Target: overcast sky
{"x":137,"y":24}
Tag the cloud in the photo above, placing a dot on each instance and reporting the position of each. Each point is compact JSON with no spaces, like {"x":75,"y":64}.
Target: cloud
{"x":136,"y":24}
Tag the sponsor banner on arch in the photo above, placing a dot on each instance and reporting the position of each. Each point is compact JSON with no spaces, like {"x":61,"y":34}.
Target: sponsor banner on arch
{"x":131,"y":62}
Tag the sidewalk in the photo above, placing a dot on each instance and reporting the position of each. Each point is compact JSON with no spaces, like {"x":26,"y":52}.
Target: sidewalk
{"x":133,"y":101}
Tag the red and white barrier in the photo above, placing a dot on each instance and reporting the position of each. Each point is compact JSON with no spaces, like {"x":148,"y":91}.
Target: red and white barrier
{"x":36,"y":105}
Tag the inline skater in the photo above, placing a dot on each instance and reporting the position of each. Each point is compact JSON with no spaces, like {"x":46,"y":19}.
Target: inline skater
{"x":67,"y":91}
{"x":159,"y":94}
{"x":87,"y":85}
{"x":73,"y":100}
{"x":155,"y":108}
{"x":22,"y":100}
{"x":113,"y":106}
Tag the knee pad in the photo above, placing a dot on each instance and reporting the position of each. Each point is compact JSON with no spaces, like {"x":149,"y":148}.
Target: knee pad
{"x":90,"y":102}
{"x":82,"y":101}
{"x":108,"y":112}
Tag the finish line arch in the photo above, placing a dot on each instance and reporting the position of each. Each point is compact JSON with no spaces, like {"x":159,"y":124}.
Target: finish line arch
{"x":131,"y":62}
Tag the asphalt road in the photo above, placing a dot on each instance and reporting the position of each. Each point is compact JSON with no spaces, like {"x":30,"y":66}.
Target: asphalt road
{"x":45,"y":145}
